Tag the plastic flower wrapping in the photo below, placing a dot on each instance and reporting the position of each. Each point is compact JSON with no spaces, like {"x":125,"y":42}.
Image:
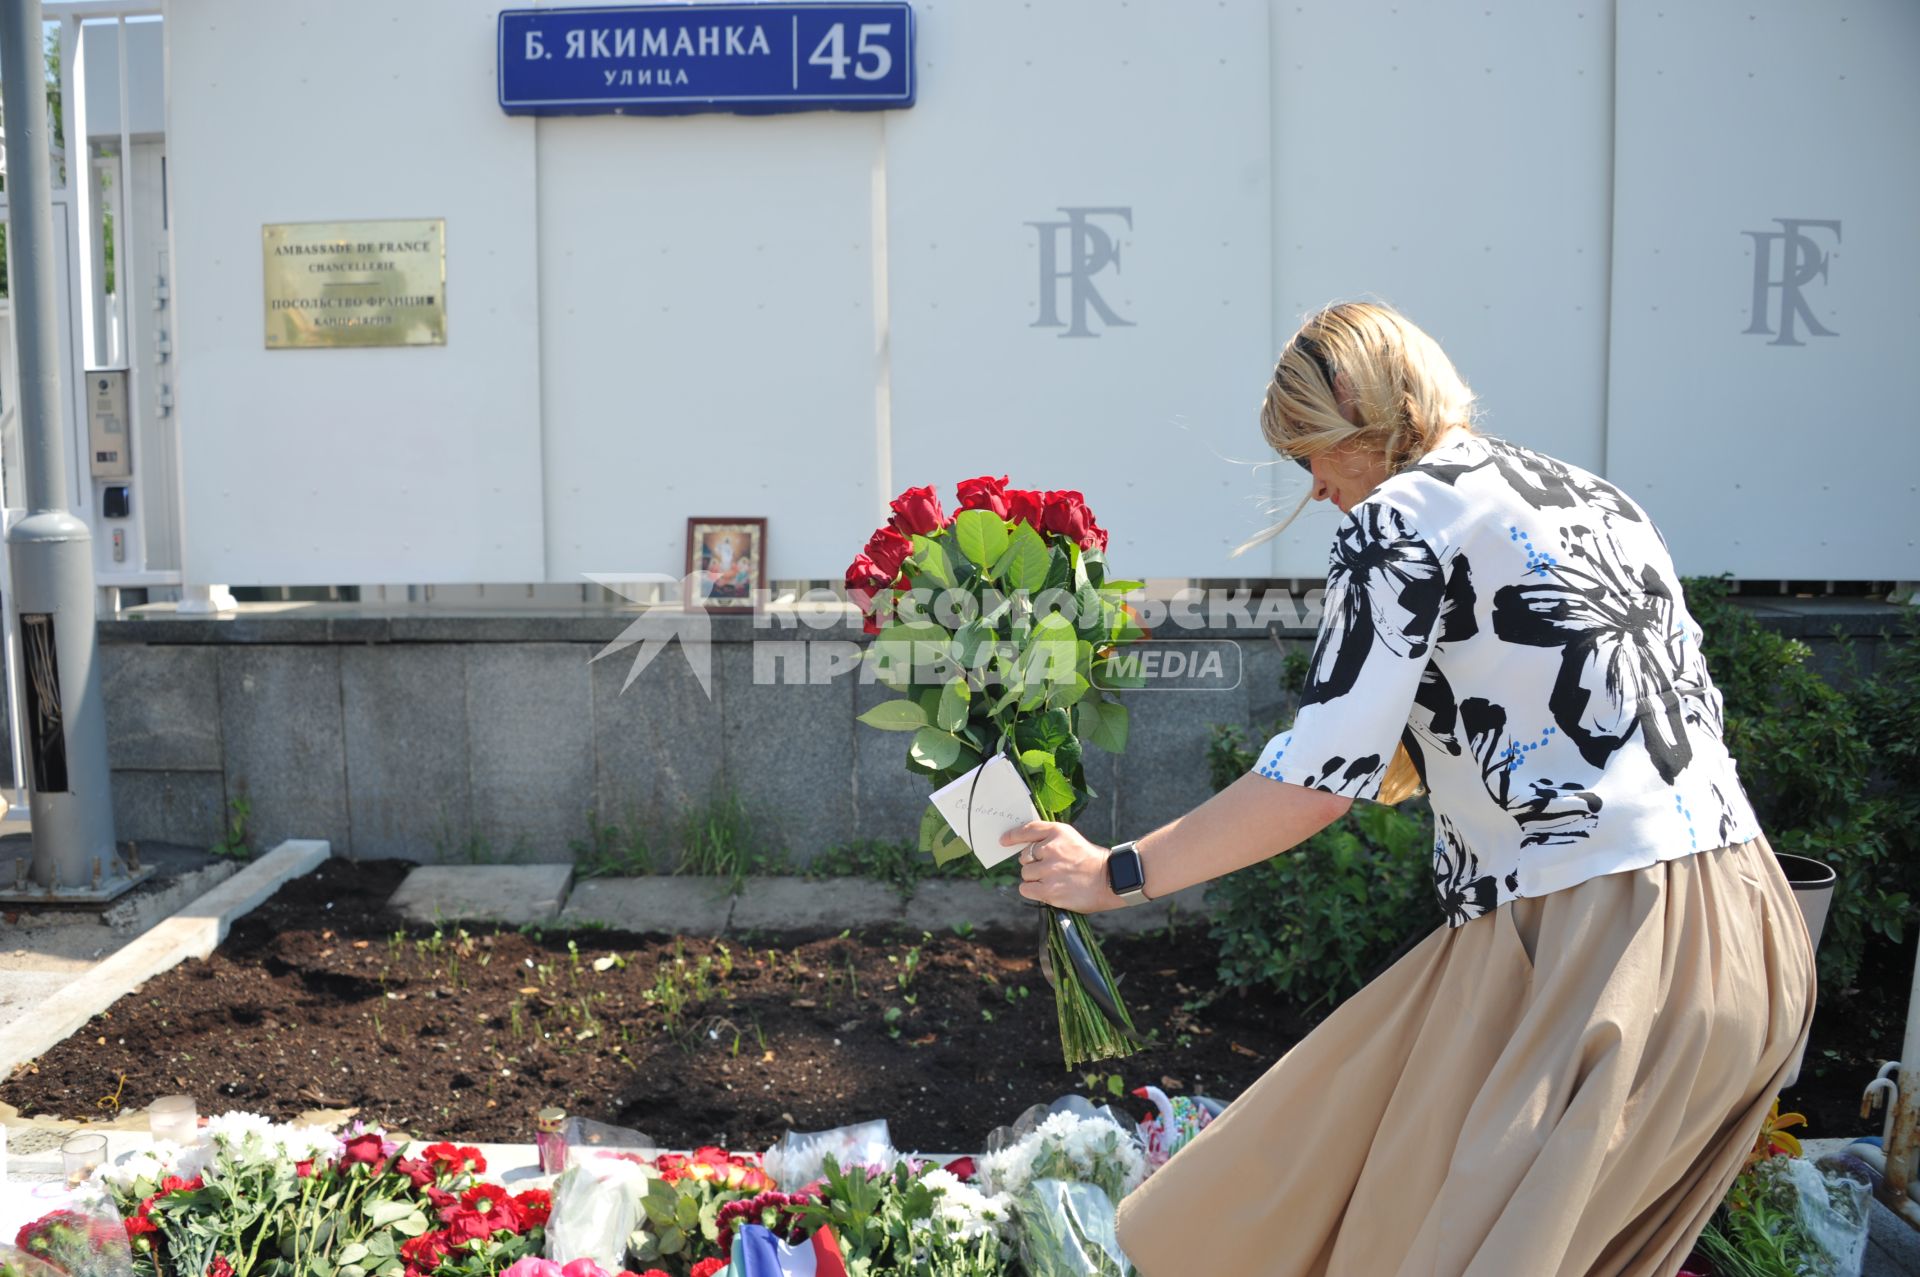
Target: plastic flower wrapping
{"x":799,"y":1158}
{"x":84,"y":1238}
{"x":1073,"y":1142}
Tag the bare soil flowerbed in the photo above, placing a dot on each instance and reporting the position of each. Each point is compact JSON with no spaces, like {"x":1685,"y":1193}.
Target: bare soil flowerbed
{"x":321,"y":998}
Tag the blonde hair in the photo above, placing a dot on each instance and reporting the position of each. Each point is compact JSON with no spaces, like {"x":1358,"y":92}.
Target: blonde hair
{"x":1405,"y":394}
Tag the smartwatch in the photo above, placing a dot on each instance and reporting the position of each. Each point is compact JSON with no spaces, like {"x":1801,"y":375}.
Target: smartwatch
{"x":1125,"y":874}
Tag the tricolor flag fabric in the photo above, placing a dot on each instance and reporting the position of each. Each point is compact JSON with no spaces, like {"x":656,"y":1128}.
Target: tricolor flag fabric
{"x":758,"y":1253}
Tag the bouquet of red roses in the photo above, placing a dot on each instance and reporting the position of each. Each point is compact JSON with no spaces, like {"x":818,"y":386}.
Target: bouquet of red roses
{"x":991,"y":623}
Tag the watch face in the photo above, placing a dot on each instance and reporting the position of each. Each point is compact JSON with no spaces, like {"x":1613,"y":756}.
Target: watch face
{"x":1123,"y":870}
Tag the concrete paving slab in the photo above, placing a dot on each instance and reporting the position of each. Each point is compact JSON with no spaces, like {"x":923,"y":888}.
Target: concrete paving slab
{"x":939,"y":906}
{"x":796,"y":904}
{"x":45,"y":948}
{"x":194,"y":932}
{"x":689,"y":906}
{"x":511,"y":894}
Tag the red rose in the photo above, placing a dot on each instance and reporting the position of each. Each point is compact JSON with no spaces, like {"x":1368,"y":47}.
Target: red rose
{"x":1024,"y":505}
{"x":961,"y":1167}
{"x":708,"y":1267}
{"x":888,"y":550}
{"x":864,"y":581}
{"x":535,"y":1205}
{"x":441,"y":1198}
{"x":415,"y":1170}
{"x":467,"y":1226}
{"x":917,"y":510}
{"x":1067,"y":515}
{"x":984,"y":493}
{"x":364,"y":1148}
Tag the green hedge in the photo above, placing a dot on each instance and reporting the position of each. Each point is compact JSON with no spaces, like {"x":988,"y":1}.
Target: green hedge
{"x":1834,"y":774}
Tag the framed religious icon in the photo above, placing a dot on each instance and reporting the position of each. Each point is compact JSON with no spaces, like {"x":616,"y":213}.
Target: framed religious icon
{"x":726,"y":561}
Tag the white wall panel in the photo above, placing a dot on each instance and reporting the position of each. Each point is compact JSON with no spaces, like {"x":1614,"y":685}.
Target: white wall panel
{"x":1757,"y":456}
{"x":1451,"y":158}
{"x":388,"y":465}
{"x":708,"y":336}
{"x":1027,"y":109}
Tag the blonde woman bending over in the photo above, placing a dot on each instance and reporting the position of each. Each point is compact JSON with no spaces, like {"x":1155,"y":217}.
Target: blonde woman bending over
{"x":1565,"y":1076}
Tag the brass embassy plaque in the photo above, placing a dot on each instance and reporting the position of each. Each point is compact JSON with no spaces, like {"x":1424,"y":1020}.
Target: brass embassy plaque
{"x":355,"y":283}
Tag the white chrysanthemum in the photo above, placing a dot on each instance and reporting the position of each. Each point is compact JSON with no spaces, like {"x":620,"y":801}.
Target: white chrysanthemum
{"x":234,"y":1128}
{"x":1067,"y":1146}
{"x":149,"y":1164}
{"x":963,"y":1208}
{"x":306,"y":1143}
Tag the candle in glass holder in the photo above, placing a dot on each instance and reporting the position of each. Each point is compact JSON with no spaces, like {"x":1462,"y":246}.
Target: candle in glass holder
{"x":549,"y":1137}
{"x":175,"y":1118}
{"x":80,"y":1154}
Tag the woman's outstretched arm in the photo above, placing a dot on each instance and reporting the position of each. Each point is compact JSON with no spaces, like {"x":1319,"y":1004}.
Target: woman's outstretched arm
{"x":1250,"y":820}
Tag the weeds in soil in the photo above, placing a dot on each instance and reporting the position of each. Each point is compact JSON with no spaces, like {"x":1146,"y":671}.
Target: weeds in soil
{"x":612,"y":851}
{"x":680,"y":986}
{"x":233,"y":843}
{"x":721,"y":839}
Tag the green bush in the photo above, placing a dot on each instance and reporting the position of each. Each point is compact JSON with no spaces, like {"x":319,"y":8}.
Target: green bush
{"x":1314,"y":923}
{"x":1834,"y":775}
{"x":1831,"y":773}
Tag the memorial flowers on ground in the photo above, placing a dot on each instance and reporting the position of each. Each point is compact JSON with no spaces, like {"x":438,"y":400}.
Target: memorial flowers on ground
{"x":994,"y":624}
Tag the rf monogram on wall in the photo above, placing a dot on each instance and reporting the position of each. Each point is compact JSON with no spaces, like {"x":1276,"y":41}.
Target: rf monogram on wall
{"x":1089,"y":249}
{"x":1801,"y":261}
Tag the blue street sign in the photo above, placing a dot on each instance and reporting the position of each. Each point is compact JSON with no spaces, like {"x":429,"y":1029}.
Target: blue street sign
{"x":673,"y":59}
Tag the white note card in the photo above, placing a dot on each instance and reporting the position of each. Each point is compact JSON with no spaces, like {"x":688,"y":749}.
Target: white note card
{"x":984,"y":804}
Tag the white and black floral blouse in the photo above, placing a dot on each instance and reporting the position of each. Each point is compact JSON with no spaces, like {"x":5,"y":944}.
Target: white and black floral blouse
{"x":1515,"y":621}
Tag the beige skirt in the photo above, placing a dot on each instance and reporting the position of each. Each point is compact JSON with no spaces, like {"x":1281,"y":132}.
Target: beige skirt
{"x":1567,"y":1085}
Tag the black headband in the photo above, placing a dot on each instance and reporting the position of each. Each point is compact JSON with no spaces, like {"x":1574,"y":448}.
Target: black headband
{"x":1312,"y":350}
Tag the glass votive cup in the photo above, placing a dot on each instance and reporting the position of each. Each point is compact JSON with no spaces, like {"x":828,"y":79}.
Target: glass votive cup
{"x":174,"y":1118}
{"x":80,"y":1154}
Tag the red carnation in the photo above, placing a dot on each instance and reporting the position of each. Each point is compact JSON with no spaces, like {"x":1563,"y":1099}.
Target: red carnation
{"x":493,"y":1204}
{"x":708,"y":1267}
{"x":984,"y":493}
{"x":961,"y":1167}
{"x":425,"y":1252}
{"x":1067,"y":515}
{"x":917,"y":510}
{"x":535,"y":1205}
{"x":1024,"y":505}
{"x":888,"y":550}
{"x":447,"y":1157}
{"x":219,"y":1267}
{"x":139,"y":1225}
{"x":303,"y":1169}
